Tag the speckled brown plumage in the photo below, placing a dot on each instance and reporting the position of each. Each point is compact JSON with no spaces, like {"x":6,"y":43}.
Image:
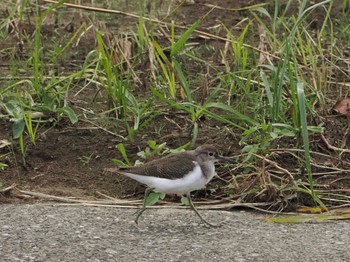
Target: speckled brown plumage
{"x":174,"y":166}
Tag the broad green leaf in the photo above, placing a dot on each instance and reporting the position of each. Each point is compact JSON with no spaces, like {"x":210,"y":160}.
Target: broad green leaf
{"x":315,"y":129}
{"x":263,"y":10}
{"x":18,"y":128}
{"x":274,"y":134}
{"x":153,"y":198}
{"x":250,"y":148}
{"x":70,"y":113}
{"x":152,"y":144}
{"x":185,"y":201}
{"x":287,"y":132}
{"x":12,"y":107}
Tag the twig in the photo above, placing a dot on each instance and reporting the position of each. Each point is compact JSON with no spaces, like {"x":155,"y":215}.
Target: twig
{"x":132,"y":204}
{"x":100,"y":127}
{"x":277,"y":166}
{"x":7,"y":190}
{"x":118,"y":200}
{"x":329,"y":146}
{"x":288,"y":150}
{"x":173,"y":122}
{"x":340,"y":206}
{"x":283,"y":150}
{"x":334,"y":200}
{"x":70,"y":200}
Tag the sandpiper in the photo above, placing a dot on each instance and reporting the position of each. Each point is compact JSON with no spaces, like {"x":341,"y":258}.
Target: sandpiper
{"x":178,"y":174}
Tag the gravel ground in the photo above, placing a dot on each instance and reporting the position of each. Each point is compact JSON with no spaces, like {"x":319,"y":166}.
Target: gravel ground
{"x":82,"y":233}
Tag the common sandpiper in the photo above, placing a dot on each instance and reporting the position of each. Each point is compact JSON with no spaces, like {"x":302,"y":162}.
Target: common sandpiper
{"x":179,"y":174}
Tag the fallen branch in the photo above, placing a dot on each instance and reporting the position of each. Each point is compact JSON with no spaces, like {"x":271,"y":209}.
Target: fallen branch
{"x":70,"y":200}
{"x":329,"y":146}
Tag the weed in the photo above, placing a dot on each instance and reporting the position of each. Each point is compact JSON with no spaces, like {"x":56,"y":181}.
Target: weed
{"x":122,"y":151}
{"x":86,"y":160}
{"x":153,"y":149}
{"x":116,"y":81}
{"x":270,"y":99}
{"x":28,"y":102}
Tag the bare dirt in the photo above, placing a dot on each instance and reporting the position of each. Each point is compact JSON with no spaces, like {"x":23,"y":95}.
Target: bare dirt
{"x":69,"y":160}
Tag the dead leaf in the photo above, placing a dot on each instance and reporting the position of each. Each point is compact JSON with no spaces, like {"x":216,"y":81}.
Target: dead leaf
{"x":343,"y":107}
{"x":311,"y":210}
{"x":262,"y":46}
{"x":4,"y":143}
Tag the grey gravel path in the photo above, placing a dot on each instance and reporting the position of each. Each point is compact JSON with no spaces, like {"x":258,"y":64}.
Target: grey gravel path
{"x":83,"y":233}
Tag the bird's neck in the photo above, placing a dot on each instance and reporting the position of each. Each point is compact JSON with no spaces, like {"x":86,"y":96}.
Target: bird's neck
{"x":208,"y":169}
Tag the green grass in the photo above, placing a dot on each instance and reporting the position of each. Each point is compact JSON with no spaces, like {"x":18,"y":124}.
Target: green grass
{"x":27,"y":101}
{"x":264,"y":100}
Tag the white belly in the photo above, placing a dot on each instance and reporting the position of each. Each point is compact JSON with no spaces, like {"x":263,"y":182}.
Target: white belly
{"x":193,"y":181}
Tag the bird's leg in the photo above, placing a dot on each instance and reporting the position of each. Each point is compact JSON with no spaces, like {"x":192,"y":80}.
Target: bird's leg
{"x":195,"y":210}
{"x":141,"y":210}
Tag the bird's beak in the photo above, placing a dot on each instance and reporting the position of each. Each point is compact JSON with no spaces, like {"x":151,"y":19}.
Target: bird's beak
{"x":225,"y":159}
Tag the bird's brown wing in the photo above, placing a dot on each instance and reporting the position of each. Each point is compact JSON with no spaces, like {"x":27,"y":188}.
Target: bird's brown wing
{"x":170,"y":167}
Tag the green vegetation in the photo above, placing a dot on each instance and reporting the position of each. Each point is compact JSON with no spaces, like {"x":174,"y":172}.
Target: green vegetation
{"x":269,"y":95}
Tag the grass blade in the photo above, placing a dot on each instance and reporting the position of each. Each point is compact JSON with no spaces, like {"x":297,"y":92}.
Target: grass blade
{"x":122,"y":151}
{"x":305,"y":135}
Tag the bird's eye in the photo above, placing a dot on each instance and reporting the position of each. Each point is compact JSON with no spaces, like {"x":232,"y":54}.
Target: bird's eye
{"x":211,"y":154}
